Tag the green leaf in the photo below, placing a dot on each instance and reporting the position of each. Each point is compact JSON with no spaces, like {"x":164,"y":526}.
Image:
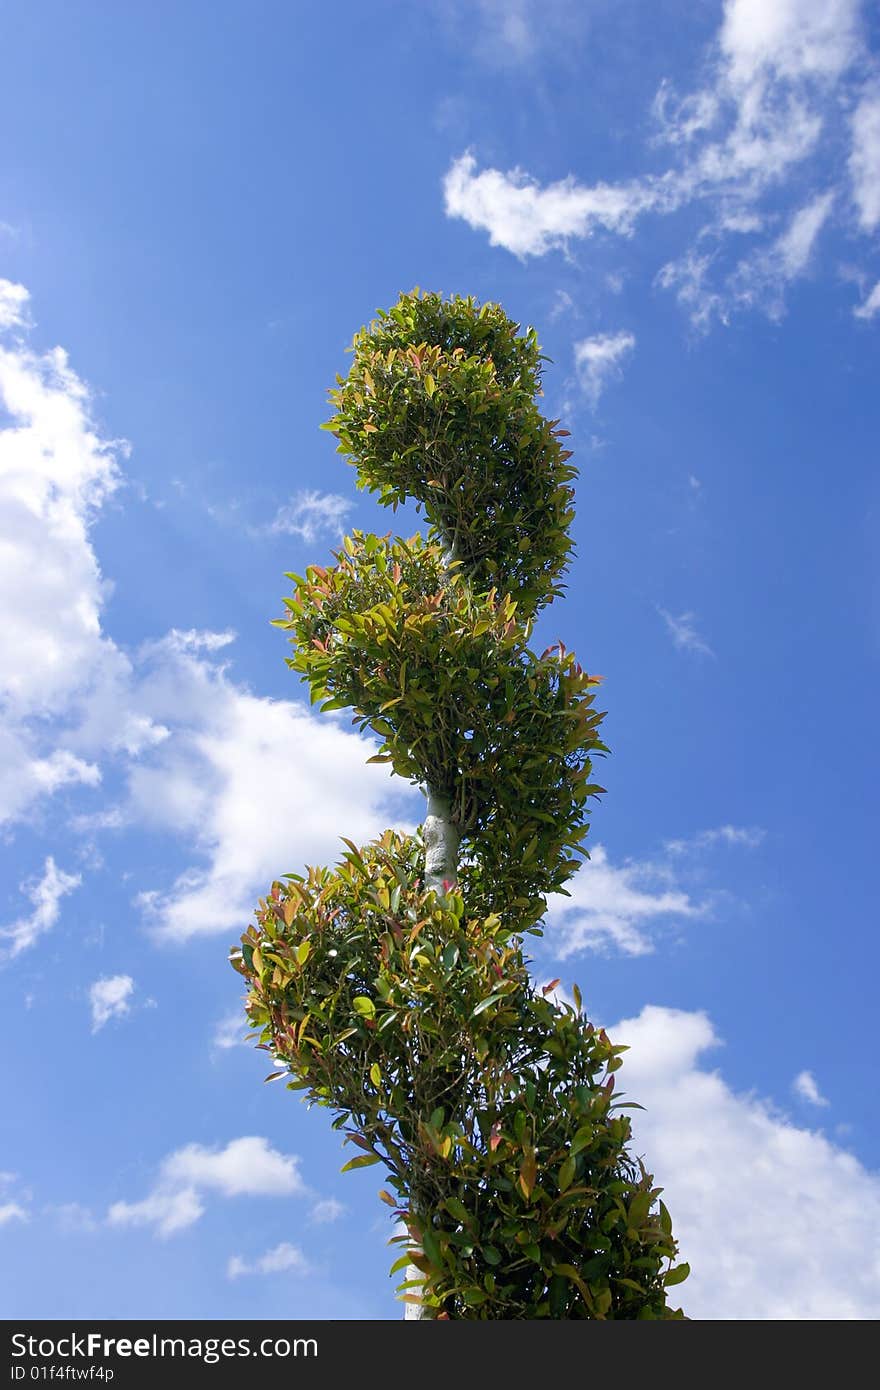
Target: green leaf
{"x":569,"y":1272}
{"x":677,"y":1275}
{"x":376,"y":1074}
{"x":431,"y":1246}
{"x":566,"y":1173}
{"x":485,"y":1004}
{"x":364,"y":1006}
{"x":362,"y":1161}
{"x":456,"y":1209}
{"x":583,"y":1137}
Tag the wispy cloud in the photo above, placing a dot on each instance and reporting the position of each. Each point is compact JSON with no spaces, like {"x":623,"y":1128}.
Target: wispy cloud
{"x":231,"y":1030}
{"x":311,"y":515}
{"x":109,"y":998}
{"x":864,"y":160}
{"x":870,"y":306}
{"x":683,"y":631}
{"x":512,"y":33}
{"x":746,"y":836}
{"x":616,"y":906}
{"x":281,"y":1260}
{"x":806,"y":1088}
{"x":12,"y":1211}
{"x":530,"y":220}
{"x":326,"y":1210}
{"x":599,"y":360}
{"x":13,"y":304}
{"x":774,"y":86}
{"x":46,"y":894}
{"x":245,"y":1167}
{"x":760,"y":280}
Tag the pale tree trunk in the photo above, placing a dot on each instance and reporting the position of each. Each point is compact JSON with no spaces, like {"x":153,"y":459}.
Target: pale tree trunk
{"x":442,"y":839}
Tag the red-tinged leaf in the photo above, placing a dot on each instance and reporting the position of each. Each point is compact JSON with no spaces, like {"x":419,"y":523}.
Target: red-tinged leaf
{"x":549,"y":988}
{"x":273,"y":1075}
{"x":387,"y":1198}
{"x":495,"y":1136}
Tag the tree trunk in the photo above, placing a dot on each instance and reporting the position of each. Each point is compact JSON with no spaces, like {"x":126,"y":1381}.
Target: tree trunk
{"x":442,"y":839}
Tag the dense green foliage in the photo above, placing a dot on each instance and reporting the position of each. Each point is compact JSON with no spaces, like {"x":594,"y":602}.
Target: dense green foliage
{"x":406,"y":1009}
{"x":443,"y":674}
{"x":439,"y":407}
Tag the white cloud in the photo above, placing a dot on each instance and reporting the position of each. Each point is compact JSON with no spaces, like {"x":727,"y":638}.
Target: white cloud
{"x":871,"y":305}
{"x":795,"y":247}
{"x":748,"y":836}
{"x":761,"y":279}
{"x":231,"y":1030}
{"x":311,"y":515}
{"x":169,"y":1210}
{"x":775,"y":1220}
{"x":109,"y":998}
{"x":615,"y":906}
{"x":864,"y":160}
{"x":511,"y":33}
{"x":12,"y":1211}
{"x":529,"y":220}
{"x":806,"y":1087}
{"x":562,"y":304}
{"x":195,"y":640}
{"x":246,"y":782}
{"x":245,"y":1167}
{"x":73,"y":1218}
{"x":763,"y":106}
{"x":13,"y":304}
{"x":598,"y":360}
{"x":758,"y":280}
{"x":792,"y":39}
{"x":326,"y":1210}
{"x":45,"y":893}
{"x":684,"y":634}
{"x":257,"y":786}
{"x":283,"y":1258}
{"x":56,"y":470}
{"x":690,"y":277}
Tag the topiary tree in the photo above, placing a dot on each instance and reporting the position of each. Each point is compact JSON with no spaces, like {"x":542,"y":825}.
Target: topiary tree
{"x":394,"y":987}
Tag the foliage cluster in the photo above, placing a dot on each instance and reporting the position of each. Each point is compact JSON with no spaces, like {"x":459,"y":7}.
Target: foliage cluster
{"x":491,"y":1106}
{"x":407,"y":1008}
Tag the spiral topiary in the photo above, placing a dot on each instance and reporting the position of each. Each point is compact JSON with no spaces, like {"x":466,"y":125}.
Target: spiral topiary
{"x":394,"y":987}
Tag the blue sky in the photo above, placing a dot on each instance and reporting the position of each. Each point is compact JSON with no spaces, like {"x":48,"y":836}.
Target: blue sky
{"x":198,"y":206}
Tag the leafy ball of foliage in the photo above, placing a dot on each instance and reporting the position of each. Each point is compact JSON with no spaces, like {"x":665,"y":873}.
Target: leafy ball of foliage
{"x":439,"y":407}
